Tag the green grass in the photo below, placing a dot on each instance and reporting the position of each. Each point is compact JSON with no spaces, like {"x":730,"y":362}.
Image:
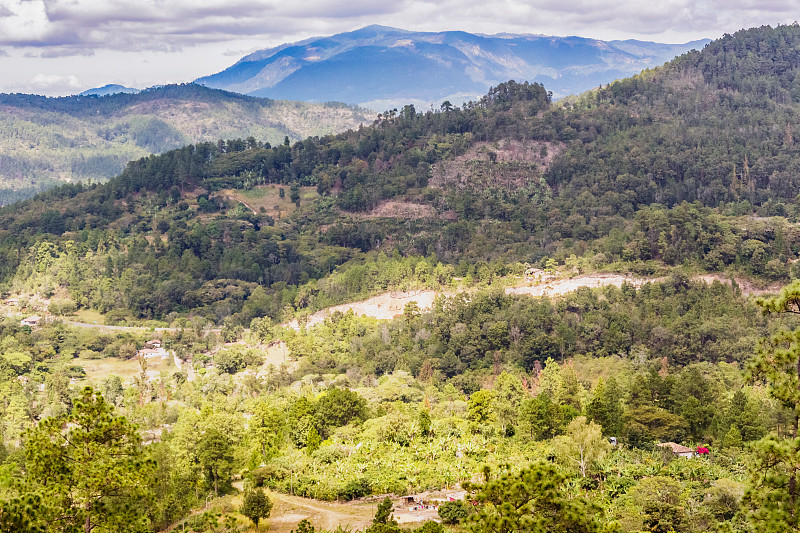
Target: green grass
{"x":99,"y":369}
{"x":89,"y":316}
{"x":268,"y":197}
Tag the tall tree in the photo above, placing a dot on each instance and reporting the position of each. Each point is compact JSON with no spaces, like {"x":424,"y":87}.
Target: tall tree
{"x":214,"y":450}
{"x":774,"y":496}
{"x":91,"y":466}
{"x":583,"y":445}
{"x":256,"y":505}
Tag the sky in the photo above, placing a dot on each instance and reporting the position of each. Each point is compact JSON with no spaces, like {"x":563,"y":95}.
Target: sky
{"x":60,"y":47}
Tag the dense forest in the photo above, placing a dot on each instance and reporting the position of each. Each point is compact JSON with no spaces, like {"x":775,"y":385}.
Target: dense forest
{"x":511,"y":178}
{"x":419,"y":403}
{"x":685,"y":169}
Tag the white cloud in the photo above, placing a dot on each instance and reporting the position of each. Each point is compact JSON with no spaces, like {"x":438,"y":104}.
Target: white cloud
{"x":171,"y":25}
{"x":53,"y":83}
{"x":146,"y":42}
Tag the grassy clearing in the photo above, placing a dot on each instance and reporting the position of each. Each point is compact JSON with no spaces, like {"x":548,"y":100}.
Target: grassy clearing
{"x":99,"y":369}
{"x":268,"y":197}
{"x":88,"y":316}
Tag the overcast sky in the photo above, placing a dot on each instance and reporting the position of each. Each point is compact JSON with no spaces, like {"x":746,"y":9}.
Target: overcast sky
{"x":58,"y":47}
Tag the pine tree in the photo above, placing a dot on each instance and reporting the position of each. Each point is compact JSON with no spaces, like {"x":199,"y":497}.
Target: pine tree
{"x":535,"y":499}
{"x":89,"y":464}
{"x":774,"y":495}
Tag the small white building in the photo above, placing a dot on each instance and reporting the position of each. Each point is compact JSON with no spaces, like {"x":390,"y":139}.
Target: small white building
{"x":677,"y":449}
{"x":32,"y":321}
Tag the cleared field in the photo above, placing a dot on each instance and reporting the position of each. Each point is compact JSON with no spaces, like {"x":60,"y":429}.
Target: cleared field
{"x":88,"y":316}
{"x":289,"y":510}
{"x":268,"y":197}
{"x":99,"y":369}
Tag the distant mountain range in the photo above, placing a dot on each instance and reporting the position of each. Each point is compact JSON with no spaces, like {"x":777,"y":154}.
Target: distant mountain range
{"x":46,"y":141}
{"x":111,"y":88}
{"x":381,"y":67}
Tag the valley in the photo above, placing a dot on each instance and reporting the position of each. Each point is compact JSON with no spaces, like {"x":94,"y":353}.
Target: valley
{"x":575,"y":315}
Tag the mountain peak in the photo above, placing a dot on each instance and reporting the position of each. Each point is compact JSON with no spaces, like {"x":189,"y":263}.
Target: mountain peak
{"x":111,"y":88}
{"x":367,"y":67}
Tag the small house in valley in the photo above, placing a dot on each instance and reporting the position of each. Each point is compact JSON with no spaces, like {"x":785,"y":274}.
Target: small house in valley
{"x":677,"y":449}
{"x":32,"y":321}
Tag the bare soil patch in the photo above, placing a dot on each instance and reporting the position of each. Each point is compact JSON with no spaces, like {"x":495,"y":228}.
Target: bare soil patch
{"x":506,"y":162}
{"x":396,"y":209}
{"x":557,"y":287}
{"x":390,"y":305}
{"x":385,"y":306}
{"x":748,"y":287}
{"x":289,"y":510}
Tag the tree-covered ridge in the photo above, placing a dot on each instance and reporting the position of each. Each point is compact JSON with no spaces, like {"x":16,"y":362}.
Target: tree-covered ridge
{"x":633,"y":175}
{"x":47,"y":141}
{"x":715,"y":126}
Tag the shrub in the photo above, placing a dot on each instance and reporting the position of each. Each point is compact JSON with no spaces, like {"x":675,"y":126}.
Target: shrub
{"x":430,"y":527}
{"x":355,"y":488}
{"x":453,"y":512}
{"x":327,"y":454}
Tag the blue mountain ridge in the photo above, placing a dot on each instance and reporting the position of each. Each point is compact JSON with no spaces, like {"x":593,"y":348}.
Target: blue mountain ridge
{"x":383,"y":67}
{"x":111,"y":88}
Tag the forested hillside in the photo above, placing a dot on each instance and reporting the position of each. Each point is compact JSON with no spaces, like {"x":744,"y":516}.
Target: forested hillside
{"x":685,"y":169}
{"x":46,"y":141}
{"x":681,"y":165}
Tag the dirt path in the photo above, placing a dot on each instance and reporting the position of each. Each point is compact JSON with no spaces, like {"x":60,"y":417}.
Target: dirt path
{"x":558,"y":287}
{"x":289,"y":510}
{"x":748,"y":289}
{"x":385,"y":306}
{"x":390,"y":305}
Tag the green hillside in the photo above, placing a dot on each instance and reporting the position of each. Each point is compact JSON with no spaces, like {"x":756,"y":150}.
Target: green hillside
{"x":47,"y":141}
{"x":637,"y":175}
{"x":681,"y":181}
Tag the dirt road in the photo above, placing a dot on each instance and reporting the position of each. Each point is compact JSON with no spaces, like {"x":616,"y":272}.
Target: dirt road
{"x":558,"y":287}
{"x":385,"y":306}
{"x":391,"y":304}
{"x":289,"y":510}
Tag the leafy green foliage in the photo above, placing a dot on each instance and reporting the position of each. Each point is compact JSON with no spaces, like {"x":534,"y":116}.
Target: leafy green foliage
{"x":339,"y":406}
{"x":23,"y":515}
{"x":256,"y":505}
{"x":774,"y":496}
{"x":453,"y":512}
{"x":531,"y":500}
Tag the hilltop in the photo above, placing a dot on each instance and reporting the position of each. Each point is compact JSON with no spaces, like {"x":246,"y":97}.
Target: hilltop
{"x":46,"y":141}
{"x":381,"y":67}
{"x":105,"y":90}
{"x":681,"y":165}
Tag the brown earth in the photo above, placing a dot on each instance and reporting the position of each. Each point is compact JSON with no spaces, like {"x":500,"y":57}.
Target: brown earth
{"x":390,"y":305}
{"x":506,"y":162}
{"x":289,"y":510}
{"x":396,"y":209}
